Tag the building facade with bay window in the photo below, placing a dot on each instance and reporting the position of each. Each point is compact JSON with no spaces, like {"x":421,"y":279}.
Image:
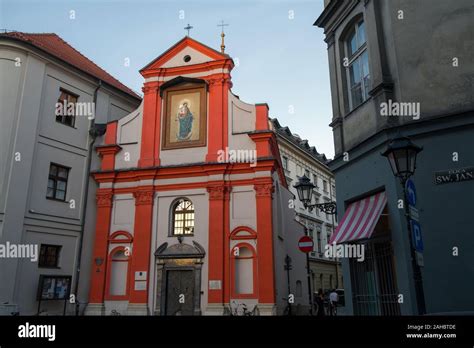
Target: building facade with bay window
{"x":403,"y":68}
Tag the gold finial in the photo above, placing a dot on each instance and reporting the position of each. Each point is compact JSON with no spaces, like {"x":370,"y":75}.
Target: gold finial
{"x":222,"y":35}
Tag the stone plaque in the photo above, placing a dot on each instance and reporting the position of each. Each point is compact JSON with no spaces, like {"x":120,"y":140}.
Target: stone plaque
{"x":214,"y":284}
{"x":140,"y":285}
{"x":140,"y":275}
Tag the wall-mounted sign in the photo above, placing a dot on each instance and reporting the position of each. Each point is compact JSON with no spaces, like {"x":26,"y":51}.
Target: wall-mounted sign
{"x":140,"y":275}
{"x":420,"y":259}
{"x":454,"y":175}
{"x":214,"y":284}
{"x":140,"y":285}
{"x":413,"y":213}
{"x":416,"y":234}
{"x":54,"y":287}
{"x":411,"y":192}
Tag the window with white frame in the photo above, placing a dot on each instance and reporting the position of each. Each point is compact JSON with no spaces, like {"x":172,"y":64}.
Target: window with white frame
{"x":315,"y":180}
{"x":183,"y":218}
{"x":357,"y":65}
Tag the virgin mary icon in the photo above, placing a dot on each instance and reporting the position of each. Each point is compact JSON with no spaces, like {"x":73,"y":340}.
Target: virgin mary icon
{"x":185,"y":122}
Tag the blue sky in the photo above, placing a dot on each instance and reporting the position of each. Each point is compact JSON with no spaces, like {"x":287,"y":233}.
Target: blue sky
{"x":282,"y":58}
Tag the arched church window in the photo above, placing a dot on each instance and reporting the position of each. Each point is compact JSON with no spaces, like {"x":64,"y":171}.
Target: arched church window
{"x":357,"y":65}
{"x":182,"y":218}
{"x":118,"y":273}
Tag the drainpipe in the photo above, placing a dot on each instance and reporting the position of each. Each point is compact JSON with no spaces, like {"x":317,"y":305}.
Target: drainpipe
{"x":94,"y":133}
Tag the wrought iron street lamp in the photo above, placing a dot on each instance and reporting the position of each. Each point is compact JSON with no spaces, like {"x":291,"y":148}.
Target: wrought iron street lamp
{"x":305,"y":188}
{"x":401,"y":154}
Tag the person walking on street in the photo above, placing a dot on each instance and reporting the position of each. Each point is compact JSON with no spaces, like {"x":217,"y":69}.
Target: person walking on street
{"x":319,"y":304}
{"x":333,"y":299}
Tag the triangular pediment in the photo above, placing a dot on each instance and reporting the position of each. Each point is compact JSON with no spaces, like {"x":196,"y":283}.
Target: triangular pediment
{"x":194,"y":52}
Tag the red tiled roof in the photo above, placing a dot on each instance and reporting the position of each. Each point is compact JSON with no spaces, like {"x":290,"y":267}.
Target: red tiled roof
{"x":56,"y":46}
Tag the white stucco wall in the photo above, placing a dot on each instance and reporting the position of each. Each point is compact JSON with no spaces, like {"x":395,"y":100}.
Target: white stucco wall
{"x":129,"y":131}
{"x":242,"y":119}
{"x":196,"y":58}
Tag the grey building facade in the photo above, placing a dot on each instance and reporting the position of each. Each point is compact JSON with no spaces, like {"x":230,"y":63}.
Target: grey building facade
{"x":44,"y":166}
{"x":414,"y":54}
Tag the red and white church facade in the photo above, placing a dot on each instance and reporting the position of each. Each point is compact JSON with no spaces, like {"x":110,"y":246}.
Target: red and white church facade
{"x":193,"y":210}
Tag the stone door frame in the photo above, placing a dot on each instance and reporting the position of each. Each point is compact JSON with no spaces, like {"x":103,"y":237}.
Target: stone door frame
{"x":178,"y":257}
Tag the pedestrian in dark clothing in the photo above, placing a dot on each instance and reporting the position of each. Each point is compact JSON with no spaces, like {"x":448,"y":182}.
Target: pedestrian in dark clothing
{"x":319,"y":304}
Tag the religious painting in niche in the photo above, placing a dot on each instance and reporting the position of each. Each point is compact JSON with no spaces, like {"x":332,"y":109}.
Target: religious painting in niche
{"x":185,"y":117}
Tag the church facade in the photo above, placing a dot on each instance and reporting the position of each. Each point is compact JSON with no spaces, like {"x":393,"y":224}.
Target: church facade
{"x":193,"y":209}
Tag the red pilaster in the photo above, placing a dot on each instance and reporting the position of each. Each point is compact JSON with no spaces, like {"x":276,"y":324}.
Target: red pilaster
{"x":141,"y":242}
{"x":226,"y":284}
{"x":262,"y":143}
{"x":102,"y":228}
{"x":261,"y":122}
{"x":216,"y":240}
{"x":217,"y":137}
{"x":111,"y":133}
{"x":266,"y":285}
{"x":151,"y":124}
{"x":107,"y":153}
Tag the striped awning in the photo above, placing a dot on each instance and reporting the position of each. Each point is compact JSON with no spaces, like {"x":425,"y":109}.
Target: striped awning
{"x":360,"y":219}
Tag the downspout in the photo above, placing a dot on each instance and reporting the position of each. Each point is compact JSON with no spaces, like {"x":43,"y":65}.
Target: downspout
{"x":93,"y":134}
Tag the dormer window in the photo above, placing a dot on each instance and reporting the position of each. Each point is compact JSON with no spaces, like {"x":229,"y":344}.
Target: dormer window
{"x":357,"y":65}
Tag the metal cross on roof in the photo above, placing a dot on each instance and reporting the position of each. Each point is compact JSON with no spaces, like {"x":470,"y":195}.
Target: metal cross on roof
{"x":222,"y":25}
{"x":188,"y":28}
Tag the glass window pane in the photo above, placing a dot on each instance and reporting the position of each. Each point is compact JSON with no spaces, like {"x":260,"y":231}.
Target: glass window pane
{"x":352,"y":44}
{"x":61,"y":185}
{"x":69,"y":120}
{"x":61,"y":195}
{"x":50,"y":183}
{"x":365,"y":63}
{"x":366,"y":87}
{"x":72,"y":99}
{"x":62,"y":96}
{"x":62,"y":172}
{"x":354,"y":73}
{"x":361,"y":34}
{"x":356,"y":93}
{"x":53,"y":170}
{"x":50,"y":193}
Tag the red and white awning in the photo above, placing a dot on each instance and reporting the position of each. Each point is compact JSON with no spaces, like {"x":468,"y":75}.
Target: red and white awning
{"x":360,"y":219}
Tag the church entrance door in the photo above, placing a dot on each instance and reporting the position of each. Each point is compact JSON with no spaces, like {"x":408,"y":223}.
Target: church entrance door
{"x":179,"y":292}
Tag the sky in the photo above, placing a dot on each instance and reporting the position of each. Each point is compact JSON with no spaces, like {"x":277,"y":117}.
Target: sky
{"x":281,"y":58}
